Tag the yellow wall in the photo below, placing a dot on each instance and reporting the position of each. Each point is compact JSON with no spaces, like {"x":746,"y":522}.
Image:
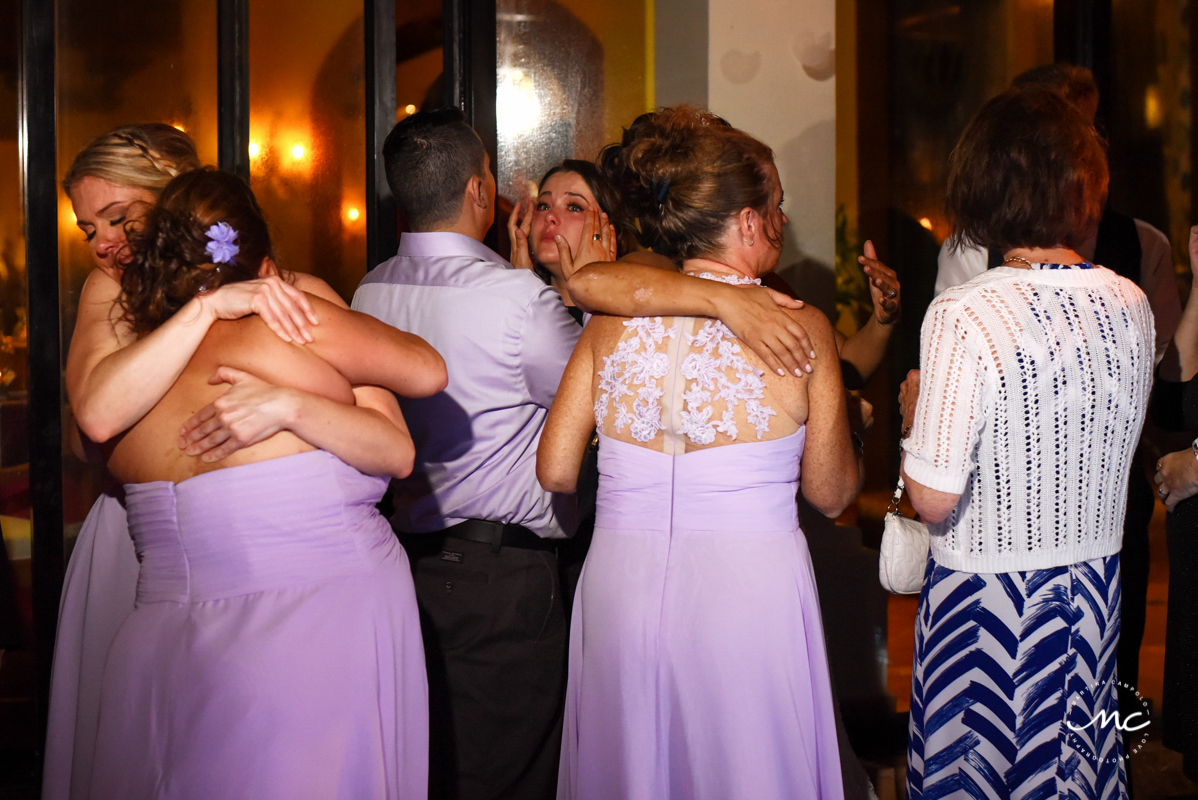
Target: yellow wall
{"x":620,"y":27}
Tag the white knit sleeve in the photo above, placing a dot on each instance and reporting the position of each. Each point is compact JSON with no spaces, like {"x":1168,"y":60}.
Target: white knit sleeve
{"x":942,"y":446}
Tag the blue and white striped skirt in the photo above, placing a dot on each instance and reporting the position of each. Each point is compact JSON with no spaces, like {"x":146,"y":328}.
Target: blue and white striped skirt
{"x":1002,"y":663}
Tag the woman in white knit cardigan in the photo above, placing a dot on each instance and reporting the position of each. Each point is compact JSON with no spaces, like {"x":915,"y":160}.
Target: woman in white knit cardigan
{"x":1022,"y":422}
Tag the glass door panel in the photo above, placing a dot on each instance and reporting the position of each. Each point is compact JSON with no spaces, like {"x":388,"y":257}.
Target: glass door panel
{"x":308,"y":135}
{"x":570,"y":75}
{"x":137,"y":61}
{"x":17,"y":686}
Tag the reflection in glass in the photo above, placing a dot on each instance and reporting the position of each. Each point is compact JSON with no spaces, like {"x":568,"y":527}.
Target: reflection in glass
{"x":308,"y":135}
{"x":1148,"y":119}
{"x":941,"y":75}
{"x":16,"y":622}
{"x":130,"y":62}
{"x":419,"y":60}
{"x":419,"y":56}
{"x":570,"y":75}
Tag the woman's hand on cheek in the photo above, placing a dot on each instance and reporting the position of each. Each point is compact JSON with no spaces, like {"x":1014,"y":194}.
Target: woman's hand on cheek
{"x":518,"y":231}
{"x":598,"y":244}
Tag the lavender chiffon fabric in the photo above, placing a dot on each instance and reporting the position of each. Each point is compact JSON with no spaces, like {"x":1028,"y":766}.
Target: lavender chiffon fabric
{"x":697,"y":661}
{"x":275,"y":649}
{"x":97,"y":595}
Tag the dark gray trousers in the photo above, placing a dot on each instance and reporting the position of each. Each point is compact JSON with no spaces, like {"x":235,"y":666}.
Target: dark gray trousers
{"x":495,"y":640}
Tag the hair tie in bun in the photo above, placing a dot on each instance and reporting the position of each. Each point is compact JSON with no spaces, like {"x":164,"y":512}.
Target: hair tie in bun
{"x":661,"y":191}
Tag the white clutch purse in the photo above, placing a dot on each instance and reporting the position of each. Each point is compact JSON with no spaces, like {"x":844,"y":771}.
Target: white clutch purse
{"x":904,"y":552}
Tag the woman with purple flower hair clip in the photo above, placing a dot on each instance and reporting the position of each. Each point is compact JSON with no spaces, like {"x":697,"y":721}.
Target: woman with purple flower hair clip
{"x":275,"y":648}
{"x":114,"y":378}
{"x":221,"y":243}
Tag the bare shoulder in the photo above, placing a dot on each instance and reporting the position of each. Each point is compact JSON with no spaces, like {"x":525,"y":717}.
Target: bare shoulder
{"x":312,"y":285}
{"x":817,"y":325}
{"x":336,"y":317}
{"x":602,"y":331}
{"x":250,"y":345}
{"x":100,"y":280}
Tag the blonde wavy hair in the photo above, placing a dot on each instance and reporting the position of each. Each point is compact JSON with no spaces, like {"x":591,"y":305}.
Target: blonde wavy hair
{"x":144,"y":156}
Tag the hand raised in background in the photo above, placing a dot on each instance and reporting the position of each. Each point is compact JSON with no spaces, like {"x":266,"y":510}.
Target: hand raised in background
{"x":908,"y":397}
{"x":884,"y":288}
{"x":517,"y":231}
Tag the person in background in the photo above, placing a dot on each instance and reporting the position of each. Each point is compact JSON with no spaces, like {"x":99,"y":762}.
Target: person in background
{"x":575,"y":217}
{"x":1141,"y":253}
{"x":114,"y":378}
{"x":1175,"y":405}
{"x":573,"y":202}
{"x":479,"y":530}
{"x":1023,"y":421}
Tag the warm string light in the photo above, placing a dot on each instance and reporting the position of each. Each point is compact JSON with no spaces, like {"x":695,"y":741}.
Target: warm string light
{"x":1154,"y":110}
{"x":299,"y":155}
{"x":409,"y":109}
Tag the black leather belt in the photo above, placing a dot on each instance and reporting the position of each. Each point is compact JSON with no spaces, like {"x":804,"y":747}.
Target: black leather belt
{"x":498,"y":535}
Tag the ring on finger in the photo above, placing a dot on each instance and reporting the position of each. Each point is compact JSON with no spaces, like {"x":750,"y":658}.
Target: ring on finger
{"x":1162,"y":492}
{"x":891,"y":294}
{"x":597,"y":237}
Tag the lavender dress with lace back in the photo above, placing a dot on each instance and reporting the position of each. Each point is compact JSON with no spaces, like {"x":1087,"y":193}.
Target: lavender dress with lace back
{"x":697,"y":661}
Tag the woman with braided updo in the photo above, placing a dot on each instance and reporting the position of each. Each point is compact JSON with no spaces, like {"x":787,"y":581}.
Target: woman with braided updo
{"x":114,"y":377}
{"x":275,"y":649}
{"x":697,"y":666}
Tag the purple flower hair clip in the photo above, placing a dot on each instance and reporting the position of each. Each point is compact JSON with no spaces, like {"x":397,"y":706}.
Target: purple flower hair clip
{"x":221,"y":247}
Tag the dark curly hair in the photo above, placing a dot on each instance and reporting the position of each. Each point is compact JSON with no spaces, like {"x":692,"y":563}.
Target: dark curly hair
{"x":684,"y":173}
{"x":170,"y":261}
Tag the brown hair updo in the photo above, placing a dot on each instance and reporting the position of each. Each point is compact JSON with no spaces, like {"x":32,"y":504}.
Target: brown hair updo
{"x":684,"y":173}
{"x":171,"y":263}
{"x":145,"y":156}
{"x":1028,"y":171}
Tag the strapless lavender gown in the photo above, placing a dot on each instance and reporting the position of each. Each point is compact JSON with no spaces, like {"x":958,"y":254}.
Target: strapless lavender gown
{"x":697,"y":661}
{"x":275,"y":648}
{"x":97,"y":595}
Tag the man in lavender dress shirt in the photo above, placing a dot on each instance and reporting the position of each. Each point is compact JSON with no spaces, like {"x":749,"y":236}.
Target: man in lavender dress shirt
{"x":476,"y":523}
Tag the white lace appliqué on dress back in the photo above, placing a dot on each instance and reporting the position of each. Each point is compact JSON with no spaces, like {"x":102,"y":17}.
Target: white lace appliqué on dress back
{"x":715,"y":369}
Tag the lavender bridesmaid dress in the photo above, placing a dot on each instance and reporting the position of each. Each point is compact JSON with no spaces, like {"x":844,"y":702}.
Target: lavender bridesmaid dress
{"x":97,"y":595}
{"x":697,"y":660}
{"x":275,"y":648}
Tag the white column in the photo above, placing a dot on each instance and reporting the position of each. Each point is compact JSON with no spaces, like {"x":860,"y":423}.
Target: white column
{"x":771,"y":72}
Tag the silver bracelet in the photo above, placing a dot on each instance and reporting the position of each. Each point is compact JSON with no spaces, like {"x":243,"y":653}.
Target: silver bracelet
{"x":1194,"y":448}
